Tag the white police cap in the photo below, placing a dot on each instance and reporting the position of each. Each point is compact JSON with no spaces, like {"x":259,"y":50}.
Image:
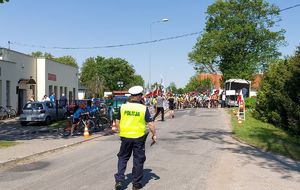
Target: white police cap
{"x":135,"y":90}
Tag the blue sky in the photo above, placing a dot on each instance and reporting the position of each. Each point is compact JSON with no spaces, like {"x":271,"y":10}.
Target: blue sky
{"x":69,"y":23}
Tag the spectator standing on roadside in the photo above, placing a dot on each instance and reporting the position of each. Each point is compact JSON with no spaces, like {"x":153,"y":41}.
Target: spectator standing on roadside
{"x":223,"y":99}
{"x":171,"y":101}
{"x":45,"y":98}
{"x":63,"y":101}
{"x":52,"y":97}
{"x":160,"y":107}
{"x":109,"y":103}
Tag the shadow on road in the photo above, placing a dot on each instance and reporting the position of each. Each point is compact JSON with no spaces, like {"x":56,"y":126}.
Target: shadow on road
{"x":271,"y":161}
{"x":148,"y":176}
{"x":12,"y":131}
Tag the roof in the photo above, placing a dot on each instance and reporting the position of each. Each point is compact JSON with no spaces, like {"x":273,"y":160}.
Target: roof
{"x":243,"y":81}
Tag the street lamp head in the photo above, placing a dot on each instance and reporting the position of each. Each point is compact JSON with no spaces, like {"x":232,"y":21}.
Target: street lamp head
{"x":165,"y":20}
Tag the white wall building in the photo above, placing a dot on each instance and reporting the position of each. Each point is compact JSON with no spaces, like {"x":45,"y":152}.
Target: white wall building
{"x":22,"y":76}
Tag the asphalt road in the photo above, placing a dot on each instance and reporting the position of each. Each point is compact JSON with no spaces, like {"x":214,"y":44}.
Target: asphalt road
{"x":186,"y":153}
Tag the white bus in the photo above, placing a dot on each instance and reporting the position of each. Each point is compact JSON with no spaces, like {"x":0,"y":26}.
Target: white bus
{"x":234,"y":87}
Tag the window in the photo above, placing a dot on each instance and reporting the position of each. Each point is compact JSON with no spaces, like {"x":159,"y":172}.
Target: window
{"x":55,"y":92}
{"x":61,"y":91}
{"x":74,"y":91}
{"x":7,"y":93}
{"x":50,"y":90}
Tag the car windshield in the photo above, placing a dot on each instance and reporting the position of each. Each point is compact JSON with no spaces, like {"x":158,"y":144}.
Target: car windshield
{"x":35,"y":106}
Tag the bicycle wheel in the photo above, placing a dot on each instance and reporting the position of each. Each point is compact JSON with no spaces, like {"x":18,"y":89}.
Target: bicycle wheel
{"x":104,"y":122}
{"x":3,"y":114}
{"x":12,"y":113}
{"x":91,"y":126}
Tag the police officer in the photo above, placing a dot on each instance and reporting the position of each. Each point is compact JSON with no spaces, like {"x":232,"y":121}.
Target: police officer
{"x":131,"y":124}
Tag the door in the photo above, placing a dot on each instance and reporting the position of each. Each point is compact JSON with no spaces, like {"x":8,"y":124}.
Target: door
{"x":21,"y":100}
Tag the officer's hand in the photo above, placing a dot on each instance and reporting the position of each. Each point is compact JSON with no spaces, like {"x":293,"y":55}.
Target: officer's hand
{"x":114,"y":128}
{"x":154,"y":138}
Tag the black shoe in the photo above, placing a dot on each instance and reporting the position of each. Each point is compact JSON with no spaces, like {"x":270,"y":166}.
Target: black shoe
{"x":136,"y":187}
{"x":118,"y":186}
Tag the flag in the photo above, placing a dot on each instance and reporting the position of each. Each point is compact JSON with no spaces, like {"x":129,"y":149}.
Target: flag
{"x":156,"y":91}
{"x":162,"y":83}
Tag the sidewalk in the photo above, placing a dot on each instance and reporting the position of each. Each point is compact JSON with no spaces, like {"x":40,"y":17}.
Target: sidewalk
{"x":37,"y":140}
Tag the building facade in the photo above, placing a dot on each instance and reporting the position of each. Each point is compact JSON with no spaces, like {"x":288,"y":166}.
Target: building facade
{"x":23,"y":76}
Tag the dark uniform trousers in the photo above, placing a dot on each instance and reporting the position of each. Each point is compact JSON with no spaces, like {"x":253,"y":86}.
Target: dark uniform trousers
{"x":129,"y":146}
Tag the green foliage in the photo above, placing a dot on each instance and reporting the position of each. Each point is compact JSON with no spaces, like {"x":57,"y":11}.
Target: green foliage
{"x":250,"y":102}
{"x":68,"y":60}
{"x":278,"y":102}
{"x":239,"y":38}
{"x":266,"y":136}
{"x":3,"y":1}
{"x":195,"y":84}
{"x":180,"y":91}
{"x":137,"y":80}
{"x":172,"y":87}
{"x":101,"y":74}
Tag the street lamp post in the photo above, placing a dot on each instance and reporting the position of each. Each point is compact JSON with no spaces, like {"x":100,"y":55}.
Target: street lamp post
{"x":159,"y":21}
{"x":120,"y":84}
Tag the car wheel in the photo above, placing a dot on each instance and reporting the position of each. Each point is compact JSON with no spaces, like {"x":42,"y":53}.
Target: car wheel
{"x":23,"y":123}
{"x":48,"y":120}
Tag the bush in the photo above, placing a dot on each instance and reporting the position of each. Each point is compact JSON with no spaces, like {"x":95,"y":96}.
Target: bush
{"x":250,"y":102}
{"x":278,"y":101}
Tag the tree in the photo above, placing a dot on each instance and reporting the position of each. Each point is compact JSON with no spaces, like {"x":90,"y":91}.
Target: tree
{"x":195,"y":84}
{"x":172,"y":87}
{"x":68,"y":60}
{"x":239,"y":38}
{"x":105,"y":74}
{"x":278,"y":101}
{"x":192,"y":85}
{"x":137,"y":80}
{"x":3,"y":1}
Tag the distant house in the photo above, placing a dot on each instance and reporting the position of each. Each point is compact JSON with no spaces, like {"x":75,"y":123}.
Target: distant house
{"x":215,"y":78}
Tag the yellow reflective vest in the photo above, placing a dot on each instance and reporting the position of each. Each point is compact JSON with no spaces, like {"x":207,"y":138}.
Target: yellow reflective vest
{"x":132,"y":123}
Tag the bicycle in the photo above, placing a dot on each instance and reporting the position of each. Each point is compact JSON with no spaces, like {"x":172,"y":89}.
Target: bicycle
{"x":84,"y":120}
{"x":7,"y":112}
{"x":101,"y":120}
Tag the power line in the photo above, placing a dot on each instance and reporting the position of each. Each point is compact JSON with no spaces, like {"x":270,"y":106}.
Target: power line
{"x":123,"y":45}
{"x":291,"y":7}
{"x":108,"y":46}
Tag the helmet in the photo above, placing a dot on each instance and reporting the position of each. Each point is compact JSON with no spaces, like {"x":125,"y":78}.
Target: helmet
{"x":82,"y":105}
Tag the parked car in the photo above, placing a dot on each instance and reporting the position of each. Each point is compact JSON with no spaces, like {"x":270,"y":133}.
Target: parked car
{"x":41,"y":112}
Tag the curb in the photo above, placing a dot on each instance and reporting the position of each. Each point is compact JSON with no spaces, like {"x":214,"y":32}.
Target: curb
{"x":17,"y":160}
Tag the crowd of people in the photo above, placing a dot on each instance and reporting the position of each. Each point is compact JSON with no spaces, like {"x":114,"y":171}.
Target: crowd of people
{"x":182,"y":101}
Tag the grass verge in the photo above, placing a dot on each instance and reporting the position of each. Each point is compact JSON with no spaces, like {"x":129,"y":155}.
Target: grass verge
{"x":4,"y":144}
{"x":58,"y":124}
{"x":266,"y":136}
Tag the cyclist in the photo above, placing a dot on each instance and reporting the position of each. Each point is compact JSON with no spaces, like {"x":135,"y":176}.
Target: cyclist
{"x":77,"y":115}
